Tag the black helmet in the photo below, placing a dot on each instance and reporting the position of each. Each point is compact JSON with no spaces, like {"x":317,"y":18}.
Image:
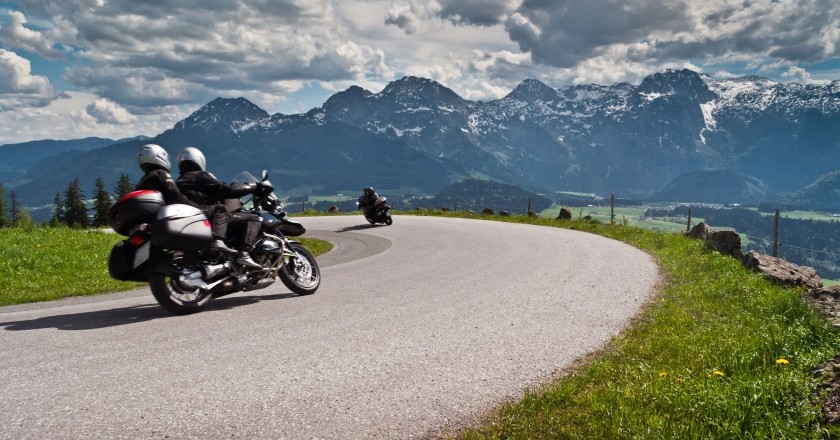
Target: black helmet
{"x":368,"y":191}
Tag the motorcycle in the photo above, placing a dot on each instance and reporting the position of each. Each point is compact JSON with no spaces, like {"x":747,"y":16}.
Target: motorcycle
{"x":379,"y":213}
{"x":167,"y":246}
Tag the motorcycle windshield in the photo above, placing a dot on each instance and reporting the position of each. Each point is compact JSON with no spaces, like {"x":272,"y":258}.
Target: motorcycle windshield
{"x":245,"y":177}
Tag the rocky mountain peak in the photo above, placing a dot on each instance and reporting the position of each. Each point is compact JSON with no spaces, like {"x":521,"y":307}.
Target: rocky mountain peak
{"x":412,"y":88}
{"x":532,"y":90}
{"x":224,"y":112}
{"x":677,"y":82}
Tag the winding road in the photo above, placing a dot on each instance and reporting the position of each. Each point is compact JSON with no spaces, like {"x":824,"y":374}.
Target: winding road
{"x":417,"y":328}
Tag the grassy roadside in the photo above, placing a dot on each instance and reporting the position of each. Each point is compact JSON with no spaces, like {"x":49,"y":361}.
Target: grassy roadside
{"x":45,"y":264}
{"x":719,"y":353}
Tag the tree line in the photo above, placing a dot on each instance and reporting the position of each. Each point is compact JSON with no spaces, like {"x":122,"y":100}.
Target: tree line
{"x":71,"y":208}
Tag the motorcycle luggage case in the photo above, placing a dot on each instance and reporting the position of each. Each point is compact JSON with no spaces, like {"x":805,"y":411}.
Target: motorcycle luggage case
{"x":182,"y":228}
{"x":121,"y":263}
{"x":133,"y":209}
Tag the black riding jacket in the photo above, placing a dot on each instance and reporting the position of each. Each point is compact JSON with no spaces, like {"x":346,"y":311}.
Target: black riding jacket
{"x":160,"y":180}
{"x":205,"y":189}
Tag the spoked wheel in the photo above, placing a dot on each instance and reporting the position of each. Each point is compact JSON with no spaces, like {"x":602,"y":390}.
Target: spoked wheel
{"x":178,"y":293}
{"x":300,"y":272}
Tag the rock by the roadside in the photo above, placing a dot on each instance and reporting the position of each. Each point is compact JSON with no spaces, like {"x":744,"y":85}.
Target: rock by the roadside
{"x":504,"y":213}
{"x":782,"y":272}
{"x":564,"y":214}
{"x":701,"y":230}
{"x":487,"y":211}
{"x":725,"y":242}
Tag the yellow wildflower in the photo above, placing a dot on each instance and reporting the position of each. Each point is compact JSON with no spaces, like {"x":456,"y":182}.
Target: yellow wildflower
{"x":663,"y":374}
{"x":782,"y":361}
{"x":718,"y":373}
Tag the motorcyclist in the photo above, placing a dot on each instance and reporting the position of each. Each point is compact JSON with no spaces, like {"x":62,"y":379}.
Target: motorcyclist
{"x":154,"y":161}
{"x":367,"y":201}
{"x":203,"y":188}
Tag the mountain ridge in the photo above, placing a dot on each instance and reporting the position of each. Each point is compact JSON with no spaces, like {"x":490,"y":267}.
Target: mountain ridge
{"x":631,"y":139}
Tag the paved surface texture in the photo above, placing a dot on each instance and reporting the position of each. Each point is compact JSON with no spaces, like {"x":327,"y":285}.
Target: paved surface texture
{"x":417,"y":327}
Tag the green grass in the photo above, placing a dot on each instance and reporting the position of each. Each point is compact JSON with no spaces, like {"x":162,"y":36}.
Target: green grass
{"x":45,"y":264}
{"x":705,"y":360}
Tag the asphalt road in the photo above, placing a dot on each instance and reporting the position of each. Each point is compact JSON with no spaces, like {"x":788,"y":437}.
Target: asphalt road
{"x":417,"y":327}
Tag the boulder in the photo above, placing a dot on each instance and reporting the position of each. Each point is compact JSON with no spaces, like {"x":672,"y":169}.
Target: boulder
{"x":333,"y":209}
{"x":533,"y":214}
{"x":444,"y":209}
{"x":564,"y":214}
{"x":725,"y":242}
{"x":782,"y":272}
{"x":504,"y":213}
{"x":487,"y":211}
{"x":701,"y":230}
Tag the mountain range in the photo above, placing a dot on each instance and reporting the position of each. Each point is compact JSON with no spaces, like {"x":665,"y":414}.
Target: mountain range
{"x":733,"y":140}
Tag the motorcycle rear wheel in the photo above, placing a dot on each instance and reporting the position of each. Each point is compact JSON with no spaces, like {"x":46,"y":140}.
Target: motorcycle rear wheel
{"x":300,"y":273}
{"x":176,"y":297}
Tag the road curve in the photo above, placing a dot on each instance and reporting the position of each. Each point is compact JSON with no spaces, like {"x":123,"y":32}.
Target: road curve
{"x":417,"y":327}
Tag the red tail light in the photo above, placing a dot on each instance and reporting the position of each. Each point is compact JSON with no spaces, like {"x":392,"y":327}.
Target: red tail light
{"x":137,"y":240}
{"x":207,"y":223}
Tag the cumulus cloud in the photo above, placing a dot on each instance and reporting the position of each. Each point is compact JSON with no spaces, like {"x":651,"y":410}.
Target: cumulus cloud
{"x":19,"y":87}
{"x":15,"y":35}
{"x":109,"y":112}
{"x":568,"y":33}
{"x":148,"y":54}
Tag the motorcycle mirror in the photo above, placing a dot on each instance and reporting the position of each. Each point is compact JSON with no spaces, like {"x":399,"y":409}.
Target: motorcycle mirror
{"x":264,"y":174}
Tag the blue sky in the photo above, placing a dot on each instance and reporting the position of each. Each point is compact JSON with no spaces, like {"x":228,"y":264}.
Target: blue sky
{"x":118,"y":68}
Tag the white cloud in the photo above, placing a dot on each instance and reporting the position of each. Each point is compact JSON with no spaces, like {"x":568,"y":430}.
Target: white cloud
{"x":109,"y":112}
{"x":15,"y":35}
{"x":18,"y":87}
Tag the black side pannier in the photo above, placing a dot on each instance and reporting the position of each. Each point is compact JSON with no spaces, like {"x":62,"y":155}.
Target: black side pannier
{"x":121,"y":263}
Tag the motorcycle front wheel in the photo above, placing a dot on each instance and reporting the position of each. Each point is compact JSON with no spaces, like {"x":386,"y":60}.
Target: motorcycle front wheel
{"x":173,"y":295}
{"x":300,"y":272}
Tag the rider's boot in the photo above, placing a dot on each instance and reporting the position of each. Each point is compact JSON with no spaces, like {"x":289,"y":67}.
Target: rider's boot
{"x":220,"y":246}
{"x":245,"y":260}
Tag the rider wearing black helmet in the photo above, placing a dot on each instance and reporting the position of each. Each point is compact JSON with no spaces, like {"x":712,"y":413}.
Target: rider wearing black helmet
{"x":367,"y":201}
{"x":210,"y":193}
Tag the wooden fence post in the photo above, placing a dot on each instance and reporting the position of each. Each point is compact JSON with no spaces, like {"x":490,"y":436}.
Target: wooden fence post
{"x":528,"y":213}
{"x":688,"y":226}
{"x":612,"y":208}
{"x":776,"y":234}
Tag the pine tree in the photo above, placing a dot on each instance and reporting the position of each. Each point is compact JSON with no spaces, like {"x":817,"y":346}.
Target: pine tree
{"x":74,"y":205}
{"x":4,"y":220}
{"x":59,"y":215}
{"x":15,"y":209}
{"x":24,"y":219}
{"x":102,"y":204}
{"x":124,"y":186}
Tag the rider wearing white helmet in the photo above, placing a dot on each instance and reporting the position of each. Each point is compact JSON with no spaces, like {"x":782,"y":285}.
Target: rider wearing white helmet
{"x":210,"y":193}
{"x":154,"y":161}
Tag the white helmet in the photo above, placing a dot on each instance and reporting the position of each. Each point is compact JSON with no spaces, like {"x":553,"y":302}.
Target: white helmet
{"x":152,"y":155}
{"x":192,"y":155}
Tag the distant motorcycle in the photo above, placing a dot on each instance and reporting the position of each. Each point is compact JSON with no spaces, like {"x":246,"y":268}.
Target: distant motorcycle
{"x":167,"y":246}
{"x":380,"y":212}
